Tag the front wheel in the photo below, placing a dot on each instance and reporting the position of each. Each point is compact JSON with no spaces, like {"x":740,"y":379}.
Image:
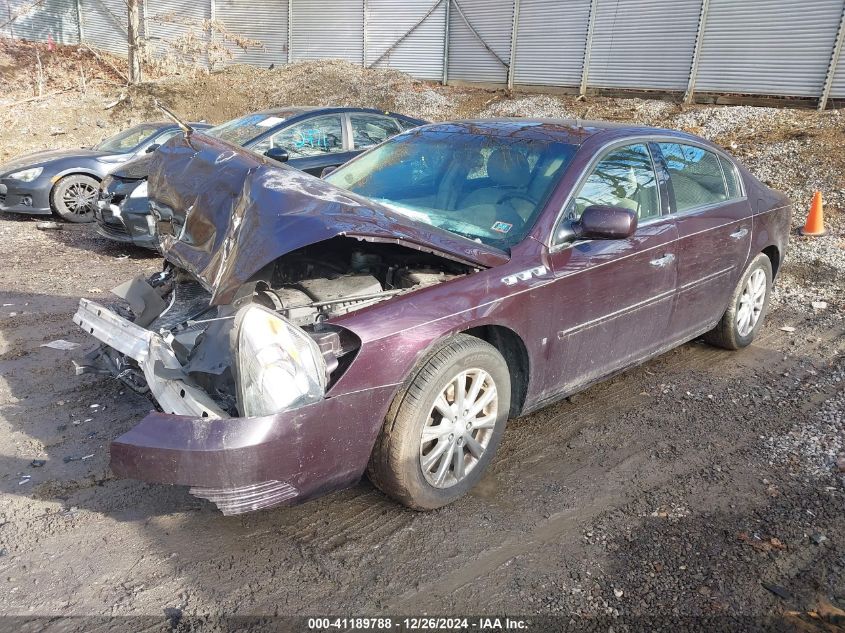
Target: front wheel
{"x":747,"y":308}
{"x":74,"y":197}
{"x":444,"y":426}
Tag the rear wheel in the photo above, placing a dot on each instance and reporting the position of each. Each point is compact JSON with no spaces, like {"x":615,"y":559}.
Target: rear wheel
{"x":444,"y":426}
{"x":74,"y":197}
{"x":747,"y":308}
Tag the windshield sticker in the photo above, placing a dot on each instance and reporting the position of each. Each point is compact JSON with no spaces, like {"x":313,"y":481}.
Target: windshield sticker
{"x":501,"y":227}
{"x":270,"y":121}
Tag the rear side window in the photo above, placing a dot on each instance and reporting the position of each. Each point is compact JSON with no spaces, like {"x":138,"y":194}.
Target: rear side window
{"x":697,"y":177}
{"x":731,"y":178}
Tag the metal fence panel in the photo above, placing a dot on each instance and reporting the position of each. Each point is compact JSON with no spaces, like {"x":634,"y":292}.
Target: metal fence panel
{"x":646,"y":44}
{"x":324,"y":29}
{"x":837,"y":88}
{"x":104,"y":25}
{"x":37,"y":22}
{"x":262,"y":20}
{"x":550,"y":42}
{"x":767,"y":46}
{"x":171,"y":23}
{"x":469,"y":60}
{"x":421,"y":53}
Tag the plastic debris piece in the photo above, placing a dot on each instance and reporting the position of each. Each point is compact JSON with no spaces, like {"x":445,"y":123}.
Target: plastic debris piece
{"x":61,"y":344}
{"x":787,"y":328}
{"x":37,"y":463}
{"x":49,"y":226}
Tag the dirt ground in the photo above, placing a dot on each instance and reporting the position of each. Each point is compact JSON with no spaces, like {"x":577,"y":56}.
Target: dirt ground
{"x":704,"y":487}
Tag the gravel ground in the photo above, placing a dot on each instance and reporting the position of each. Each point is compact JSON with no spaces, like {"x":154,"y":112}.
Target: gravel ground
{"x":702,"y":489}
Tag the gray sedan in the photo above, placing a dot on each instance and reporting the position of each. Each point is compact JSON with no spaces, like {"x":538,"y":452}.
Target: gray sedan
{"x":67,"y":181}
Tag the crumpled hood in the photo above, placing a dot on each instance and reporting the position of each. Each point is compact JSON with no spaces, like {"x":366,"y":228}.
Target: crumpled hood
{"x":234,"y":212}
{"x":34,"y":159}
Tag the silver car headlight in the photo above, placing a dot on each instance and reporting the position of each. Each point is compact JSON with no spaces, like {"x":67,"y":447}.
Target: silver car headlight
{"x":280,"y":367}
{"x":27,"y":175}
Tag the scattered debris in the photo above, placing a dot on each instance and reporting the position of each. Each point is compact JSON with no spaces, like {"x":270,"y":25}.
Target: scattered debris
{"x":25,"y":479}
{"x":61,"y":344}
{"x":779,"y":591}
{"x":49,"y":226}
{"x":819,"y":305}
{"x":37,"y":463}
{"x":763,"y":545}
{"x":788,"y":328}
{"x":818,"y":538}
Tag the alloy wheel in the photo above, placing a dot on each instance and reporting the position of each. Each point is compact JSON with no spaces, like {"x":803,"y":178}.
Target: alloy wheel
{"x":751,"y":303}
{"x":459,"y":428}
{"x":80,"y":198}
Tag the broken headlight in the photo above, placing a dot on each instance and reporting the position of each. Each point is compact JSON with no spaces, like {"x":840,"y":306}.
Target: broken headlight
{"x":279,"y":366}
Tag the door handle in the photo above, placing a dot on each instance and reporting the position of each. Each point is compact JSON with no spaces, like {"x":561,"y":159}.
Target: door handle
{"x":663,"y":261}
{"x":738,"y":235}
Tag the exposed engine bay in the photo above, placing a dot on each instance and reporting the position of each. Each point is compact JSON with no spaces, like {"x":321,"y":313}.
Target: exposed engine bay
{"x":241,"y":354}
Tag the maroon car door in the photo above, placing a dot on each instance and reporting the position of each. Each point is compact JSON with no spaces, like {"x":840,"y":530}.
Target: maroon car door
{"x":714,"y":229}
{"x":610,"y":303}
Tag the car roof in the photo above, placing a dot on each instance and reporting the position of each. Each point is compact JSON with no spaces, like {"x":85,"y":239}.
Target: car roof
{"x":569,"y":131}
{"x":292,"y":111}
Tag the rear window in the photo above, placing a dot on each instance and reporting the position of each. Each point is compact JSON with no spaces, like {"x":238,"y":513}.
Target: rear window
{"x":697,"y":177}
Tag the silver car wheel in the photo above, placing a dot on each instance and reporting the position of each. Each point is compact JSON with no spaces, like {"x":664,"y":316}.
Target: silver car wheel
{"x":751,"y":303}
{"x":80,"y":198}
{"x":459,"y":428}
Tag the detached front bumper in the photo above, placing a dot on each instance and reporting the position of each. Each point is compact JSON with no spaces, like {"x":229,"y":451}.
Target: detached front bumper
{"x":241,"y":464}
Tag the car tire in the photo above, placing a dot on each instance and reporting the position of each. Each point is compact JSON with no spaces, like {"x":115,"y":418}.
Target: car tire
{"x":73,"y":198}
{"x":403,"y":464}
{"x":747,"y":308}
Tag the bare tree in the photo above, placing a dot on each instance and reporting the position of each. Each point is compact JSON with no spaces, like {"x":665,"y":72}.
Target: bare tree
{"x":134,"y":36}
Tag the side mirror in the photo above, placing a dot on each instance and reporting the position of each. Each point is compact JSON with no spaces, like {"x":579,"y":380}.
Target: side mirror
{"x":327,"y":170}
{"x":278,"y":153}
{"x":152,"y":148}
{"x":601,"y":222}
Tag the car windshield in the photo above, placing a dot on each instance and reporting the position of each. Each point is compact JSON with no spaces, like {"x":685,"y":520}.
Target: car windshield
{"x":488,"y":188}
{"x":130,"y":139}
{"x":246,"y":128}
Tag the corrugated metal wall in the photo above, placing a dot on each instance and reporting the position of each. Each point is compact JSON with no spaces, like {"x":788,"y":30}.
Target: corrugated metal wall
{"x":56,"y":18}
{"x":104,"y":24}
{"x":171,"y":21}
{"x":421,"y":53}
{"x":469,"y":60}
{"x":327,"y":29}
{"x":551,"y":38}
{"x":767,"y":46}
{"x":643,"y":44}
{"x":262,"y":20}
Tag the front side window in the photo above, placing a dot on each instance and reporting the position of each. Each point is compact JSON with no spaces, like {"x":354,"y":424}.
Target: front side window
{"x":623,"y":178}
{"x":312,"y":137}
{"x":371,"y":129}
{"x":128,"y":140}
{"x":696,"y":174}
{"x":485,"y":187}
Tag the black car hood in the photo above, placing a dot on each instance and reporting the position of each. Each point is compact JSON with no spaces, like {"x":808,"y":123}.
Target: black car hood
{"x":35,"y":159}
{"x":234,"y":212}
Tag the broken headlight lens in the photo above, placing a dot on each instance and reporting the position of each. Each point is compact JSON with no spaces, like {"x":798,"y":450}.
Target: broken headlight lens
{"x":279,"y":366}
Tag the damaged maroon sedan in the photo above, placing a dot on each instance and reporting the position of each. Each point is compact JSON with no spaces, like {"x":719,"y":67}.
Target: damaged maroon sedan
{"x":391,"y":318}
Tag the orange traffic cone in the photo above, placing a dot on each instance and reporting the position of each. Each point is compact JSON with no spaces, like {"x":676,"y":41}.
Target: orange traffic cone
{"x":814,"y":226}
